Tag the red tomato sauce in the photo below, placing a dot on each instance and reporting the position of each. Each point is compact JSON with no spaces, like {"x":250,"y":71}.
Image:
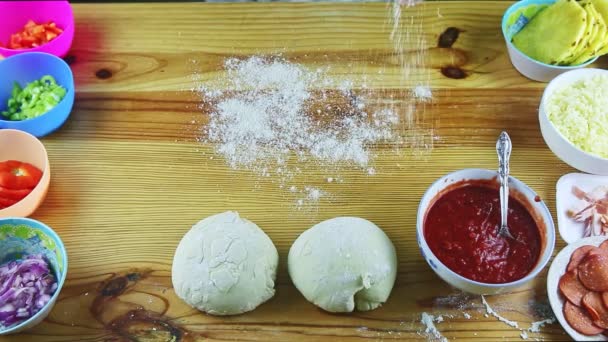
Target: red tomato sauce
{"x":461,"y":228}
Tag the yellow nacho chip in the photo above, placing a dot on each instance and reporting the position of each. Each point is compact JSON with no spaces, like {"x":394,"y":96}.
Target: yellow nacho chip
{"x":554,"y":33}
{"x":590,"y":34}
{"x":601,"y":6}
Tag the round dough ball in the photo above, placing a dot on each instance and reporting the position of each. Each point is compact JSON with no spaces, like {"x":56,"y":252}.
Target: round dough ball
{"x":225,"y":265}
{"x":342,"y":264}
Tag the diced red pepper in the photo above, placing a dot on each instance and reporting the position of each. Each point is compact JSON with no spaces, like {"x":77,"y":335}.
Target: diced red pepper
{"x":33,"y":35}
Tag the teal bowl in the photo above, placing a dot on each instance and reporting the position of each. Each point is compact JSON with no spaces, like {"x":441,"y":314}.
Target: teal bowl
{"x":23,"y":236}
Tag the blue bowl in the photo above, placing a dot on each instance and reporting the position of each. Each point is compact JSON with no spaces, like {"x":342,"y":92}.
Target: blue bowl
{"x":28,"y":67}
{"x":23,"y":236}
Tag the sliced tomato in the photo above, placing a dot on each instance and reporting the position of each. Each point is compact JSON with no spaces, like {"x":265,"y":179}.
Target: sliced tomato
{"x":12,"y":194}
{"x":19,"y":175}
{"x":5,"y":202}
{"x":9,"y":165}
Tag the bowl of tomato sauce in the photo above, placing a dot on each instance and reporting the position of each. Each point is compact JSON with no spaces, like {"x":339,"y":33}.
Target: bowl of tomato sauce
{"x":457,"y":232}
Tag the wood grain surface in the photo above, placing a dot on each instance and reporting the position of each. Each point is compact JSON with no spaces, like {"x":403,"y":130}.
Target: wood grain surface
{"x":130,"y":176}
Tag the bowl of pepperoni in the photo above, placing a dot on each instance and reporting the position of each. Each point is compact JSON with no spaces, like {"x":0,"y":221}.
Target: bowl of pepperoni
{"x":25,"y":174}
{"x":457,"y":232}
{"x":577,"y":286}
{"x":36,"y":26}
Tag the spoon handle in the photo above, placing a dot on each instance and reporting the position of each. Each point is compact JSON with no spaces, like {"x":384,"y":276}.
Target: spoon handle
{"x":503,"y":149}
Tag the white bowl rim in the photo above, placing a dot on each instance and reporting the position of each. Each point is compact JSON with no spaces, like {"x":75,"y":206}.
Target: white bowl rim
{"x":549,"y":89}
{"x":550,"y":227}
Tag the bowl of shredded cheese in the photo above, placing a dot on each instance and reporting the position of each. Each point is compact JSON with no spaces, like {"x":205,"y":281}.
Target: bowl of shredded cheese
{"x":573,"y":118}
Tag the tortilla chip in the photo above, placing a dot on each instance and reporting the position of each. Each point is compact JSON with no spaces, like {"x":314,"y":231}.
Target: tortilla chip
{"x":601,"y":6}
{"x":590,"y":34}
{"x":554,"y":33}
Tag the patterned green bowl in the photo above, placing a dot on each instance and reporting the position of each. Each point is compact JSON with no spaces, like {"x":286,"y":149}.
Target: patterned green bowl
{"x":23,"y":236}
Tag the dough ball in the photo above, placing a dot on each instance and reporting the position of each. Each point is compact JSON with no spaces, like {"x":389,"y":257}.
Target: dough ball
{"x":342,"y":264}
{"x":225,"y":265}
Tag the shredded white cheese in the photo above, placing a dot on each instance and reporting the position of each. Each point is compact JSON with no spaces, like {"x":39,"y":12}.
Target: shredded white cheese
{"x":579,"y":111}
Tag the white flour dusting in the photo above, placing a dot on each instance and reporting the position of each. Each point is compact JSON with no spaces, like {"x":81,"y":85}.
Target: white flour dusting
{"x":273,"y":114}
{"x":423,"y":92}
{"x":490,"y":311}
{"x":430,"y":329}
{"x":268,"y":119}
{"x":407,"y":34}
{"x":535,"y":327}
{"x":275,"y":117}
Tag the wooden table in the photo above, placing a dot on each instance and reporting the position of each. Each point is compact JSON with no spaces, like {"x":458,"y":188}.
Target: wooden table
{"x":130,"y":177}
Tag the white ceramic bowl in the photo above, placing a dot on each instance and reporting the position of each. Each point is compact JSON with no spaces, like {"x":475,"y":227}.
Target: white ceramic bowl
{"x":527,"y":66}
{"x":559,"y":145}
{"x":539,"y":211}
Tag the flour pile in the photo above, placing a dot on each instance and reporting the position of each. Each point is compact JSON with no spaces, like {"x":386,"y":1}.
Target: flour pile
{"x":277,"y":117}
{"x":273,"y":114}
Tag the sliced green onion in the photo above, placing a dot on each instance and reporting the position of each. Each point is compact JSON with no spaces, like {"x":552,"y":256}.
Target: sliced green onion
{"x":35,"y":99}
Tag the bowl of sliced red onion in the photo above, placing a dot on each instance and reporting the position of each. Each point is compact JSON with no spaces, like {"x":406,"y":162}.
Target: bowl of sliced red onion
{"x":33,"y":268}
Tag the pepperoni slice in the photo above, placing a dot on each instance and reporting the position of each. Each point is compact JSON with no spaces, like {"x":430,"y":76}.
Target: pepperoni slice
{"x":597,"y":251}
{"x":597,"y":310}
{"x":572,"y":288}
{"x":577,"y":256}
{"x":604,"y":245}
{"x":579,"y":320}
{"x":593,"y":271}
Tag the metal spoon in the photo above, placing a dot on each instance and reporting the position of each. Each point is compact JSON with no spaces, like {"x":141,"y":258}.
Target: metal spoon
{"x":503,"y":149}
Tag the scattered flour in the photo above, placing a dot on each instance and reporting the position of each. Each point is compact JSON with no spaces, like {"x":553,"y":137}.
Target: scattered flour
{"x":534,"y":326}
{"x":466,"y":315}
{"x":273,"y":114}
{"x":423,"y":92}
{"x":490,"y":311}
{"x":430,"y":330}
{"x":268,"y":119}
{"x":537,"y":325}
